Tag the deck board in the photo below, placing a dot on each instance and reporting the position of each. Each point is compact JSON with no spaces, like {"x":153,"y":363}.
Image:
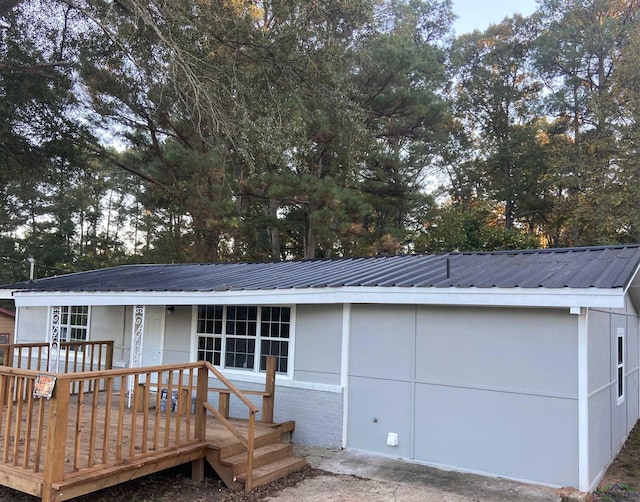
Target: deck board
{"x":143,"y":442}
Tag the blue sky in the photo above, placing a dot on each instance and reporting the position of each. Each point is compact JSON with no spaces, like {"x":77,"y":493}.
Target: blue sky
{"x":479,"y":14}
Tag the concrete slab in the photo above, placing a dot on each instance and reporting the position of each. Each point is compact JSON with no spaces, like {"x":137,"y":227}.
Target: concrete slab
{"x":372,"y":478}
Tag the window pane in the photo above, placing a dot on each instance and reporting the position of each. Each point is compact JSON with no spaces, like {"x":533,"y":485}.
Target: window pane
{"x":274,"y":348}
{"x":239,"y":353}
{"x":242,"y":321}
{"x":238,"y":324}
{"x":64,"y":315}
{"x":620,"y":382}
{"x":210,"y":319}
{"x":209,"y":349}
{"x":78,"y":334}
{"x":620,"y":350}
{"x":276,"y":326}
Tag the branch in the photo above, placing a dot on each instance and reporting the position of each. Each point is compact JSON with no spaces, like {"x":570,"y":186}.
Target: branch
{"x":36,"y":70}
{"x":7,"y":5}
{"x":113,"y":158}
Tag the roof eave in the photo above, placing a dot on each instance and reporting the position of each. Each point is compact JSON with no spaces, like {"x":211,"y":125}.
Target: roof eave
{"x":497,"y":297}
{"x":6,"y":294}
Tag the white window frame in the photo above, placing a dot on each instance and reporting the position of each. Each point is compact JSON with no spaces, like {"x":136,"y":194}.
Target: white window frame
{"x":78,"y":355}
{"x":67,"y":327}
{"x":249,"y":374}
{"x":620,"y":352}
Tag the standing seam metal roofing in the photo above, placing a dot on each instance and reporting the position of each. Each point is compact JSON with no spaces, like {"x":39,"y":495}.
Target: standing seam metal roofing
{"x":593,"y":267}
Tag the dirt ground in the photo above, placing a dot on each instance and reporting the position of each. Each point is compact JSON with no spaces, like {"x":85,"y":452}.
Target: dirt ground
{"x":624,"y":472}
{"x":175,"y":485}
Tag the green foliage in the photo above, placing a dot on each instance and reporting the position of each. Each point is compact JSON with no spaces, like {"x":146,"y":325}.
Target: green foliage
{"x":470,"y":226}
{"x":238,"y":130}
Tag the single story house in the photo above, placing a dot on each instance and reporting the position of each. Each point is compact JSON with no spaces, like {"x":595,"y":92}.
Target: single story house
{"x":519,"y":364}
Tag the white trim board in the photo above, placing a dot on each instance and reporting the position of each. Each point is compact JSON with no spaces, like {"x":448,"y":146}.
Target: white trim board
{"x":506,"y":297}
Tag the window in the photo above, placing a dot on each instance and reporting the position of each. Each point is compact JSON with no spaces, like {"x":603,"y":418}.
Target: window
{"x":74,"y":322}
{"x":620,"y":365}
{"x":241,"y":337}
{"x":4,"y":338}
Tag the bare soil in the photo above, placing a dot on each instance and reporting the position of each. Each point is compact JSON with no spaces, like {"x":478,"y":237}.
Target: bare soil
{"x":621,"y":482}
{"x":175,"y":485}
{"x":622,"y":479}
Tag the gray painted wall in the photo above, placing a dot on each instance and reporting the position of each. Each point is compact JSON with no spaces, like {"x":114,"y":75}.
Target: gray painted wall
{"x":610,"y":422}
{"x":318,"y":343}
{"x":318,"y":336}
{"x":177,"y":335}
{"x":381,"y":368}
{"x":479,"y":389}
{"x":317,"y":413}
{"x":482,"y":389}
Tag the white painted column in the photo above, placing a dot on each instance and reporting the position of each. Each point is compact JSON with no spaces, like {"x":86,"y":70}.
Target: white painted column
{"x":137,"y":335}
{"x":54,"y":339}
{"x":583,"y":399}
{"x":344,"y":368}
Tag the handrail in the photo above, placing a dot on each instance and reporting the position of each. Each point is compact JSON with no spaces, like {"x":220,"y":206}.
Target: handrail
{"x":253,"y":409}
{"x":66,"y":381}
{"x":96,"y":355}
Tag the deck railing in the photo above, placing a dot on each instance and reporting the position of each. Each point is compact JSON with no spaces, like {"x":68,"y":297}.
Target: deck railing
{"x":54,"y":436}
{"x":74,"y":356}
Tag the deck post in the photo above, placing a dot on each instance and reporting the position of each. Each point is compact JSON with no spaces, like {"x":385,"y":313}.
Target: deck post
{"x":202,"y":389}
{"x":268,"y":400}
{"x":108,"y":358}
{"x":200,"y":432}
{"x":223,"y":404}
{"x":248,"y":484}
{"x":56,"y":439}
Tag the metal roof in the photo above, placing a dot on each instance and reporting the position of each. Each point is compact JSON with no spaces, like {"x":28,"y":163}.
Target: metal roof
{"x":606,"y":267}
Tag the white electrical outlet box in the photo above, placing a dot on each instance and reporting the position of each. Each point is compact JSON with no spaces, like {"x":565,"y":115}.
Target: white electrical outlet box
{"x":392,"y":439}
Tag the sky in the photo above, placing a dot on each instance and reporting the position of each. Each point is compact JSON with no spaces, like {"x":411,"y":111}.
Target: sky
{"x":479,"y":14}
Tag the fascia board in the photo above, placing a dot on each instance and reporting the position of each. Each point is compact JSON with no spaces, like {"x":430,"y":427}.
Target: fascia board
{"x":505,"y":297}
{"x":6,"y":294}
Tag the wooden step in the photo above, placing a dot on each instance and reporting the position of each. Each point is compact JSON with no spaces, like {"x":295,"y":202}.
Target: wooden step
{"x":261,"y":456}
{"x":273,"y":471}
{"x":233,"y":446}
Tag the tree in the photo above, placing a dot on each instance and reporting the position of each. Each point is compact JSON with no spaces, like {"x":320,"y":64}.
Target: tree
{"x":495,"y":97}
{"x":578,"y":53}
{"x":400,"y":72}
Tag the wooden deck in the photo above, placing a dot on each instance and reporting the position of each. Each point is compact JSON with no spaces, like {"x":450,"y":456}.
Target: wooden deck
{"x":95,"y":431}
